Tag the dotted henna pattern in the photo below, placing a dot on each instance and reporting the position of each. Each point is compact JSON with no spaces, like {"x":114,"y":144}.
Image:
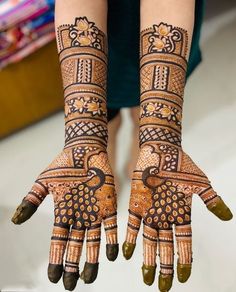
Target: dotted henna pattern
{"x":78,"y":206}
{"x":168,"y":206}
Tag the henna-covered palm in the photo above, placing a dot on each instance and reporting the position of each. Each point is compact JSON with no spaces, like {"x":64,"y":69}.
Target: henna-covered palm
{"x":82,"y":186}
{"x":80,"y":178}
{"x":163,"y":184}
{"x":165,"y":177}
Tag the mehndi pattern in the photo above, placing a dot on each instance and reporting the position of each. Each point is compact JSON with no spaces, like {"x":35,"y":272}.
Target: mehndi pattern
{"x":165,"y":177}
{"x":80,"y":178}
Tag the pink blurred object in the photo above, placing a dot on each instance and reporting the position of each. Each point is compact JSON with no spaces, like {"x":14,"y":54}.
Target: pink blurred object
{"x":13,"y":12}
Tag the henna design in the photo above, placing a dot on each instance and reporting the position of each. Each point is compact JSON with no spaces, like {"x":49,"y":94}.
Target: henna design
{"x":93,"y":106}
{"x":161,"y":111}
{"x":164,"y":38}
{"x":84,"y":33}
{"x":79,"y":153}
{"x":79,"y":178}
{"x":163,"y":71}
{"x":165,"y":177}
{"x":83,"y":58}
{"x":148,"y":133}
{"x":79,"y":130}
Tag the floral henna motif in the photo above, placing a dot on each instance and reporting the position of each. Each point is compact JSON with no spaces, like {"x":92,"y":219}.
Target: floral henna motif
{"x":165,"y":177}
{"x":166,"y":39}
{"x":94,"y":106}
{"x":85,"y":33}
{"x":80,"y":178}
{"x":161,"y":111}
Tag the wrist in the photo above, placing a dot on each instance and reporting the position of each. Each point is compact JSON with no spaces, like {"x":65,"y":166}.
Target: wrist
{"x":160,"y":123}
{"x":85,"y":120}
{"x":163,"y":66}
{"x":159,"y":135}
{"x":86,"y":131}
{"x":83,"y":60}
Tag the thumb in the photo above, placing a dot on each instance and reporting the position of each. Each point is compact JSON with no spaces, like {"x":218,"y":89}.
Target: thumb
{"x":30,"y":203}
{"x":215,"y":204}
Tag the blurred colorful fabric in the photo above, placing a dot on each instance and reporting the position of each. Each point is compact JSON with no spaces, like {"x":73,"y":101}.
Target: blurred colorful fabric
{"x":25,"y":26}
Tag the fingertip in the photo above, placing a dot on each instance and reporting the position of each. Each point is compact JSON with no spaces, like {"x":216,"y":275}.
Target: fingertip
{"x":220,"y":209}
{"x":112,"y":251}
{"x":165,"y":282}
{"x":89,"y":273}
{"x":227,"y":216}
{"x":183,"y":272}
{"x":128,"y":249}
{"x":15,"y":220}
{"x":54,"y":272}
{"x":23,"y":212}
{"x":149,"y":273}
{"x":70,"y":280}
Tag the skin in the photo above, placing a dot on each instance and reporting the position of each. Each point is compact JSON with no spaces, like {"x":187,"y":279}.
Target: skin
{"x":156,"y":184}
{"x":66,"y":13}
{"x":80,"y":177}
{"x":113,"y":129}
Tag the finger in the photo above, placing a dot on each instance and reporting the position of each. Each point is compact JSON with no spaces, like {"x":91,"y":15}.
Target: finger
{"x":90,"y":271}
{"x":149,"y":254}
{"x":30,"y":203}
{"x":166,"y":252}
{"x":215,"y":204}
{"x":23,"y":212}
{"x":134,"y":222}
{"x":74,"y":250}
{"x":58,"y":245}
{"x":112,"y":247}
{"x":183,"y":234}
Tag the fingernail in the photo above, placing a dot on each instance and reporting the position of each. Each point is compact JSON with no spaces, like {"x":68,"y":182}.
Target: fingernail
{"x":70,"y":280}
{"x":165,"y":282}
{"x":220,"y":209}
{"x":54,"y":272}
{"x":128,"y":249}
{"x":112,"y":251}
{"x":183,"y":272}
{"x":149,"y":273}
{"x":90,"y":272}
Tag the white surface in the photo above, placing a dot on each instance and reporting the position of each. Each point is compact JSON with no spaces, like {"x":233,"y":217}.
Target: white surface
{"x":209,"y":137}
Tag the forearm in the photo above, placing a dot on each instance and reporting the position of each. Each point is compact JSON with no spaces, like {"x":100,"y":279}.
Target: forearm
{"x":165,"y":41}
{"x":82,"y":46}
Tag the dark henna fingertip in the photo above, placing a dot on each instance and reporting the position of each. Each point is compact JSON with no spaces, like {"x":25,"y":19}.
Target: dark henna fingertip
{"x":55,"y":272}
{"x":90,"y":272}
{"x":112,"y":251}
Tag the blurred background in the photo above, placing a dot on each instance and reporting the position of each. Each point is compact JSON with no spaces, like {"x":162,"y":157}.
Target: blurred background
{"x":30,"y":92}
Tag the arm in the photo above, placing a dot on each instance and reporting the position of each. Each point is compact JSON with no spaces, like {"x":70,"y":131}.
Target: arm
{"x":80,"y":178}
{"x":165,"y":177}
